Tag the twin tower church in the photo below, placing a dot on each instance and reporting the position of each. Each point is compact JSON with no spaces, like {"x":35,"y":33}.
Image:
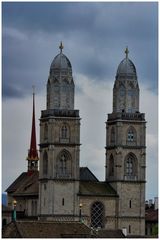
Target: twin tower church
{"x":61,"y":190}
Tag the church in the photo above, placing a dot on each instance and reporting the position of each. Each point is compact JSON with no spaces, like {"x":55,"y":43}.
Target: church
{"x":59,"y":190}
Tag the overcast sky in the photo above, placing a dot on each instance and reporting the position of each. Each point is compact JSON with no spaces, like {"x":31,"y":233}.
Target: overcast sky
{"x":94,"y":37}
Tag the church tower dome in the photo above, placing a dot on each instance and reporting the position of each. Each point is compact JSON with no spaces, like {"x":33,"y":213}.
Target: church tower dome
{"x":60,"y":86}
{"x":126,"y":68}
{"x":126,"y":89}
{"x":59,"y":63}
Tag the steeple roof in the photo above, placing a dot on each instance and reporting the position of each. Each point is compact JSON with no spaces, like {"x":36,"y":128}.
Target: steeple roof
{"x":60,"y":62}
{"x":33,"y":153}
{"x":126,"y":67}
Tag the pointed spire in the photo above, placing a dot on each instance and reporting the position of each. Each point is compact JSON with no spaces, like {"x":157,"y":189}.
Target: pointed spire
{"x":126,"y":52}
{"x":61,"y":47}
{"x":33,"y":153}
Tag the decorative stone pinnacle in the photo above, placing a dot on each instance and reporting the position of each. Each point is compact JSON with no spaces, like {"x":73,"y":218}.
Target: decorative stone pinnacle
{"x":61,"y":46}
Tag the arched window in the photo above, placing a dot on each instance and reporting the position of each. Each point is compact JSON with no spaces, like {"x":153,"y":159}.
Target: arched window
{"x":45,"y":163}
{"x":45,"y":131}
{"x":64,"y":167}
{"x":97,"y":215}
{"x":122,"y":91}
{"x":63,"y":164}
{"x":35,"y":208}
{"x":131,"y":135}
{"x":111,"y":166}
{"x":64,"y":132}
{"x":131,"y":167}
{"x":113,"y":135}
{"x":32,"y":208}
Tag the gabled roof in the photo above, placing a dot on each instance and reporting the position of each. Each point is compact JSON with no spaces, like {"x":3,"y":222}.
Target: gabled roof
{"x":87,"y":175}
{"x":96,"y":189}
{"x":16,"y":183}
{"x":25,"y":184}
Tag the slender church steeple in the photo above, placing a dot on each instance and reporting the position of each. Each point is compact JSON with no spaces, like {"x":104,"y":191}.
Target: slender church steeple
{"x":33,"y":153}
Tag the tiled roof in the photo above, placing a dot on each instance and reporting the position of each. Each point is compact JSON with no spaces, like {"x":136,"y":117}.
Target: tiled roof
{"x":16,"y":183}
{"x":39,"y":229}
{"x":25,"y":184}
{"x":151,"y":215}
{"x":110,"y":234}
{"x":96,"y":189}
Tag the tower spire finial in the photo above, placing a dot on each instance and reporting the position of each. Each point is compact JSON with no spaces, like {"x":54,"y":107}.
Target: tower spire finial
{"x":126,"y":52}
{"x":33,"y":87}
{"x":33,"y":153}
{"x":61,"y":47}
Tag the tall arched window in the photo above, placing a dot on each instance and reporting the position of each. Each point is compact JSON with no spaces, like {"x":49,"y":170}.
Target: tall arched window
{"x":97,"y":215}
{"x":64,"y":165}
{"x":113,"y":135}
{"x":111,"y":166}
{"x":131,"y":167}
{"x":131,"y":135}
{"x":45,"y":131}
{"x":32,"y":208}
{"x":64,"y":132}
{"x":45,"y":163}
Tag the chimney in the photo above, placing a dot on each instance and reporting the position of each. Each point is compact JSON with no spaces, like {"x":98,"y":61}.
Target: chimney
{"x":150,"y":203}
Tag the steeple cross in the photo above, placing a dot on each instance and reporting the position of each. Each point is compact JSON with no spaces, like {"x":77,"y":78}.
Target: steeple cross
{"x":126,"y":52}
{"x":61,"y":46}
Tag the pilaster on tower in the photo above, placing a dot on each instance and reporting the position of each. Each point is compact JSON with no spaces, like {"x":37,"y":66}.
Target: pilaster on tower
{"x":33,"y":153}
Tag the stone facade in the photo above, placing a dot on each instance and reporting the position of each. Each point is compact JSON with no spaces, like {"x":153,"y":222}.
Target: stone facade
{"x":110,"y":210}
{"x":126,"y":150}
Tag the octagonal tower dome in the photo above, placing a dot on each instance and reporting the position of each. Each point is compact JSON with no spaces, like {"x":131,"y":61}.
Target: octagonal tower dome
{"x":126,"y":68}
{"x":61,"y":64}
{"x":126,"y":89}
{"x":60,"y":86}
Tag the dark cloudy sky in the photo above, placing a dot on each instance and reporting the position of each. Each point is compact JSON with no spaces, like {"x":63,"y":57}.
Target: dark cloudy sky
{"x":94,"y":37}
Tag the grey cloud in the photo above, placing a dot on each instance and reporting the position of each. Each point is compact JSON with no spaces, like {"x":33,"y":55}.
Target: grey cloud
{"x":94,"y":35}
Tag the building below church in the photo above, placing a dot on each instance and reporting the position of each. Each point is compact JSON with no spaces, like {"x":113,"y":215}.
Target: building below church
{"x":62,"y":191}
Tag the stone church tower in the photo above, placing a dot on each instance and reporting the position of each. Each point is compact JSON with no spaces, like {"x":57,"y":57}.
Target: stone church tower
{"x":126,"y":149}
{"x":59,"y":145}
